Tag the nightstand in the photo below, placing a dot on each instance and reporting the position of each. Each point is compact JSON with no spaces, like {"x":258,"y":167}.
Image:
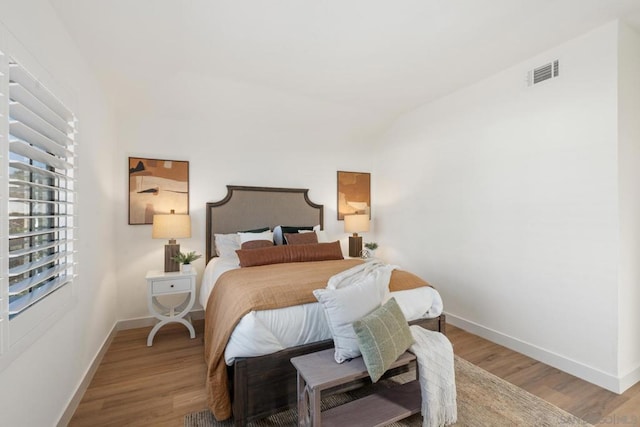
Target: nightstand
{"x":160,"y":284}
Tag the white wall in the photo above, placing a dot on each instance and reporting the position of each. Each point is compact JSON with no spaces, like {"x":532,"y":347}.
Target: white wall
{"x":37,"y":386}
{"x":506,"y":199}
{"x":231,"y":133}
{"x":629,"y":160}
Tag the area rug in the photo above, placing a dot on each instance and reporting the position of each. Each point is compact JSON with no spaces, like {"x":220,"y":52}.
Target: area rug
{"x":483,"y":400}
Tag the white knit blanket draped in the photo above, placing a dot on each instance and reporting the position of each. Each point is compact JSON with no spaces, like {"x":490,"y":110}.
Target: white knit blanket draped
{"x":434,"y":353}
{"x":374,"y":271}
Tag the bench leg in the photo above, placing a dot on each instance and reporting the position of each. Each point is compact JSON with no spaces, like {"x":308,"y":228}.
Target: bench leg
{"x":303,"y":410}
{"x":314,"y":397}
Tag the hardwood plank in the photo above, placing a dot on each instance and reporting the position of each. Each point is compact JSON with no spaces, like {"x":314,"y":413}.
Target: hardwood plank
{"x":626,"y":414}
{"x":137,"y":385}
{"x":581,"y":398}
{"x":140,"y":385}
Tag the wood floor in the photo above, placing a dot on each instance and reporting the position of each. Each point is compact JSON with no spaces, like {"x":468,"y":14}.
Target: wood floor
{"x":137,"y":385}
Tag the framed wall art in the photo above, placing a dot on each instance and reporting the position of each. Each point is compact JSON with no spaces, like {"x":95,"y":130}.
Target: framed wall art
{"x":156,"y":187}
{"x":354,"y":193}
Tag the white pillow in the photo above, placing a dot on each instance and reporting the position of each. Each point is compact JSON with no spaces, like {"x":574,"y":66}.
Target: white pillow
{"x":344,"y":306}
{"x":227,"y":244}
{"x":278,"y":237}
{"x":248,"y":237}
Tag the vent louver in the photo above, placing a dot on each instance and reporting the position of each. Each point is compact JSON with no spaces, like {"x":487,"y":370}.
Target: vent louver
{"x":543,"y":73}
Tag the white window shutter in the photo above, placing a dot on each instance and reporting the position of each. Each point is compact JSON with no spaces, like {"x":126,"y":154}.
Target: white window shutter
{"x":4,"y":265}
{"x":39,"y":171}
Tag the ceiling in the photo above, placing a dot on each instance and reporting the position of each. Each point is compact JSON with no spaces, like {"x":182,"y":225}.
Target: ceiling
{"x":384,"y":56}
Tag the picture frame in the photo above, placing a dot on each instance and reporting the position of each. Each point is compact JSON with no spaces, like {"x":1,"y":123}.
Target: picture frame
{"x":354,"y":193}
{"x":157,"y":186}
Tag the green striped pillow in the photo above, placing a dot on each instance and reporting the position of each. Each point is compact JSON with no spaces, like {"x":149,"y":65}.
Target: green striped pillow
{"x":383,"y":335}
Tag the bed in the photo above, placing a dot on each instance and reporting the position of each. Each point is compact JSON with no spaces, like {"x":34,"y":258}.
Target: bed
{"x":262,"y":381}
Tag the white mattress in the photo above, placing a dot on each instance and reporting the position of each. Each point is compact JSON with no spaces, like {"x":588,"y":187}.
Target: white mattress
{"x":267,"y":331}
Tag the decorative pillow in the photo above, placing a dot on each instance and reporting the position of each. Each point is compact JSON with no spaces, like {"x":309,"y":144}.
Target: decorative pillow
{"x":256,"y":244}
{"x":278,"y":237}
{"x":227,"y":244}
{"x":278,"y":232}
{"x":322,"y":235}
{"x":257,"y":230}
{"x":300,"y":238}
{"x":247,"y":237}
{"x":344,"y":306}
{"x":383,"y":336}
{"x":295,"y":228}
{"x":294,"y":253}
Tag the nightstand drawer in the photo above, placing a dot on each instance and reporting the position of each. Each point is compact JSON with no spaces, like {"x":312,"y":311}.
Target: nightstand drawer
{"x":171,"y":286}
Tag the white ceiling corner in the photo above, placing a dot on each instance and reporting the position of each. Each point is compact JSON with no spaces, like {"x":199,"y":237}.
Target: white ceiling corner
{"x":373,"y":55}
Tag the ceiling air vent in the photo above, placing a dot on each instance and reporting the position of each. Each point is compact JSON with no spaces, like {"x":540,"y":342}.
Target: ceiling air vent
{"x":544,"y":72}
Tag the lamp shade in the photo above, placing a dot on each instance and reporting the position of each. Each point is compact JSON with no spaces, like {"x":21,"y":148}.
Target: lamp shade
{"x":358,"y":223}
{"x":171,"y":226}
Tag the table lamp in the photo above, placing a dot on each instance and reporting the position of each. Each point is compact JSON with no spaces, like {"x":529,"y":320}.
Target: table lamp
{"x":355,"y":224}
{"x":171,"y":226}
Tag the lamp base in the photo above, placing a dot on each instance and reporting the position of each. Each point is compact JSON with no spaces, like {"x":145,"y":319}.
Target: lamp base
{"x":355,"y":246}
{"x":170,"y":251}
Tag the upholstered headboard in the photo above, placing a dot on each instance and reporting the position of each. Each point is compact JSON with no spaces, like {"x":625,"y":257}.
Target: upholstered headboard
{"x":247,"y":208}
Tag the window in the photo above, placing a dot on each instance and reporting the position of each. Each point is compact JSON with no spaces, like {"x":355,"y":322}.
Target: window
{"x":38,"y":153}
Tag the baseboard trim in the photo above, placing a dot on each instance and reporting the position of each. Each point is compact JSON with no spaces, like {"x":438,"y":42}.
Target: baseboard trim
{"x":65,"y":419}
{"x":573,"y":367}
{"x":629,"y":380}
{"x":120,"y":325}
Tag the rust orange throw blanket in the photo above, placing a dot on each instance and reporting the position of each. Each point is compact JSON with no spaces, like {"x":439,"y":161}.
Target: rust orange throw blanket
{"x":237,"y":292}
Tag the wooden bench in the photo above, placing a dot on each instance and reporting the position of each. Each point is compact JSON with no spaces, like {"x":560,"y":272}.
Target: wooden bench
{"x":318,"y":372}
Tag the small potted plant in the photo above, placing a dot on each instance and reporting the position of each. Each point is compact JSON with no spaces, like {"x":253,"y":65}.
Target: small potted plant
{"x":370,"y":250}
{"x":186,"y":259}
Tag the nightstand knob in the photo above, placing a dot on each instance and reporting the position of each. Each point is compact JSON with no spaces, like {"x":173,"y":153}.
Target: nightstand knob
{"x":172,"y":285}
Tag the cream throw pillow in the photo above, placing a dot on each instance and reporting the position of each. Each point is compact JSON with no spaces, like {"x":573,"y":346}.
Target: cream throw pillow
{"x":344,"y":306}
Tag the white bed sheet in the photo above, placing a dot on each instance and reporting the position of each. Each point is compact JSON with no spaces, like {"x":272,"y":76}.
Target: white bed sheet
{"x":267,"y":331}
